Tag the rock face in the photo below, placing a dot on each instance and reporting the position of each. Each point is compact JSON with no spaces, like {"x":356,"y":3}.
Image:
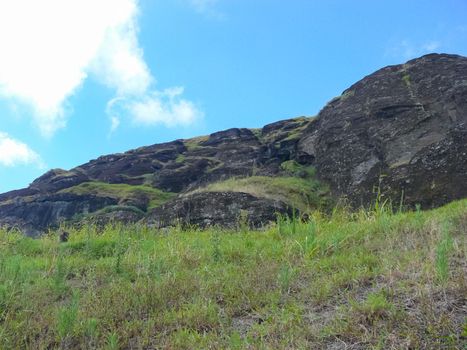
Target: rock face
{"x":402,"y":128}
{"x":35,"y":216}
{"x":174,"y":167}
{"x":227,"y":209}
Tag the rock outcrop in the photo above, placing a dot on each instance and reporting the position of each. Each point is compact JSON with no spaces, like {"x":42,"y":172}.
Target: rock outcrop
{"x":34,"y":216}
{"x":176,"y":167}
{"x":226,"y":209}
{"x":402,"y":129}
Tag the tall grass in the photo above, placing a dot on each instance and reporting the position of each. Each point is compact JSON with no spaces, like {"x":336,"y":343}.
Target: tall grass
{"x":67,"y":317}
{"x":371,"y":278}
{"x":443,"y":249}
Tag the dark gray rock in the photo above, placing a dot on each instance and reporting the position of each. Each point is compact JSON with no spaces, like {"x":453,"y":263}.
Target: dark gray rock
{"x":34,"y":216}
{"x":131,"y":167}
{"x":57,"y":179}
{"x":113,"y":215}
{"x":227,"y":209}
{"x":402,"y":128}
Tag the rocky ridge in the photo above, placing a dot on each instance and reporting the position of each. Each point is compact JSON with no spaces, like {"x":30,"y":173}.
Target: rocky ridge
{"x":402,"y":129}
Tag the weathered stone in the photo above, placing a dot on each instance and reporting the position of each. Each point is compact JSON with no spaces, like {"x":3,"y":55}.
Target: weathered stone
{"x":57,"y":179}
{"x":114,"y":216}
{"x":227,"y":209}
{"x":35,"y":216}
{"x":402,"y":128}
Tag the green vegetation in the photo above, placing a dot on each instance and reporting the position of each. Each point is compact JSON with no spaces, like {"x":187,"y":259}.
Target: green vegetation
{"x":293,"y":131}
{"x":113,"y":208}
{"x":180,"y":158}
{"x":195,"y":142}
{"x":372,"y":278}
{"x":443,"y":249}
{"x":298,"y":131}
{"x":299,"y":188}
{"x":292,"y":168}
{"x":67,"y":317}
{"x":123,"y":192}
{"x":300,"y":193}
{"x":346,"y":94}
{"x":406,"y":79}
{"x":257,"y":132}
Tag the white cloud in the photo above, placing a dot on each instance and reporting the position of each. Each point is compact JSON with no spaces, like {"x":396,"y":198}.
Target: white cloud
{"x":49,"y":48}
{"x":166,"y":107}
{"x":114,"y":123}
{"x":407,"y":49}
{"x":14,"y":152}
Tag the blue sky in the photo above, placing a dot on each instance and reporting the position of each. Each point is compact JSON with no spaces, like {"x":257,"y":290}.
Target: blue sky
{"x":79,"y":79}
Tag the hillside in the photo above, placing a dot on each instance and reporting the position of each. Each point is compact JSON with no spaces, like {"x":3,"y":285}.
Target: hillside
{"x":401,"y":130}
{"x":355,"y":280}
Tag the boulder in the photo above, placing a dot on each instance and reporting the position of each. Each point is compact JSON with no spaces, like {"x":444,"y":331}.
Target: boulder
{"x":227,"y":209}
{"x":402,"y":129}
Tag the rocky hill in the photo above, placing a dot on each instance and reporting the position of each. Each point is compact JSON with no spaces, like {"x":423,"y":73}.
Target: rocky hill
{"x":402,"y":129}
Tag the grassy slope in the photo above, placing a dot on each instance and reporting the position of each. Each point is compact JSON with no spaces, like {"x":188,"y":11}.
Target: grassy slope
{"x":299,"y":193}
{"x":372,"y":280}
{"x":122,"y":191}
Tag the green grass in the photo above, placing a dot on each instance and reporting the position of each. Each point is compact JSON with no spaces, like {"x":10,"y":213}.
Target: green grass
{"x":304,"y":194}
{"x":367,"y":279}
{"x":406,"y":79}
{"x":292,"y":168}
{"x":443,"y":249}
{"x":122,"y":192}
{"x":288,"y":134}
{"x":180,"y":158}
{"x":194,"y":143}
